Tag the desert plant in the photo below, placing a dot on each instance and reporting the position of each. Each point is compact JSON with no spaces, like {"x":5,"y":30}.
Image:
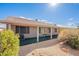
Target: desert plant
{"x":64,"y":35}
{"x":71,"y":37}
{"x":9,"y":43}
{"x":73,"y":41}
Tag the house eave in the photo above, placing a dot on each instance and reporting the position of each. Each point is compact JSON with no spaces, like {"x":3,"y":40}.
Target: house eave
{"x":15,"y":21}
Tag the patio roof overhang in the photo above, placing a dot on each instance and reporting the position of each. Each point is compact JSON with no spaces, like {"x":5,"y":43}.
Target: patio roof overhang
{"x":25,"y":22}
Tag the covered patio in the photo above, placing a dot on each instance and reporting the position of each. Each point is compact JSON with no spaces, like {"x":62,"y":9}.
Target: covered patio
{"x":12,"y":22}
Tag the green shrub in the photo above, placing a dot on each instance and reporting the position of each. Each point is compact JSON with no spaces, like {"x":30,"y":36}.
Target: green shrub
{"x":71,"y":37}
{"x":73,"y":41}
{"x":9,"y":43}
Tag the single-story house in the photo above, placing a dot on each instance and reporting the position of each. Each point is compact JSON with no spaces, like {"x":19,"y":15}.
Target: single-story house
{"x":30,"y":28}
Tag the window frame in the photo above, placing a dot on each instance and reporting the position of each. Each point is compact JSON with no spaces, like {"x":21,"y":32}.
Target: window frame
{"x":55,"y":29}
{"x":20,"y":28}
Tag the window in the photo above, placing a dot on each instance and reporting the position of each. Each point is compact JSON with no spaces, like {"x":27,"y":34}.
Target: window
{"x":27,"y":30}
{"x":55,"y":29}
{"x":22,"y":30}
{"x":49,"y":30}
{"x":17,"y":29}
{"x":40,"y":30}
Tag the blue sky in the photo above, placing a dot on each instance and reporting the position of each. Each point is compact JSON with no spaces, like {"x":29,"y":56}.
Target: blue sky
{"x":61,"y":14}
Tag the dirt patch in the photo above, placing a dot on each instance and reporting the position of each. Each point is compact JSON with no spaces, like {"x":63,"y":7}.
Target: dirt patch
{"x":58,"y":49}
{"x":24,"y":50}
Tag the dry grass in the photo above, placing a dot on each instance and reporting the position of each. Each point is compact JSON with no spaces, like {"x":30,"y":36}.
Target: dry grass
{"x":66,"y":33}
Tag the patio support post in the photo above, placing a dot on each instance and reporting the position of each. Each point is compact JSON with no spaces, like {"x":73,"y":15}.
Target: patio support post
{"x":37,"y":33}
{"x":51,"y":33}
{"x":9,"y":26}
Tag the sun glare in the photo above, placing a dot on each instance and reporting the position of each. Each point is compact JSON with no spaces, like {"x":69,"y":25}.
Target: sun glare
{"x":52,"y":4}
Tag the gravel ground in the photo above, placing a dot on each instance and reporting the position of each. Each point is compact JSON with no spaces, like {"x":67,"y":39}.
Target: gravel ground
{"x":55,"y":50}
{"x":48,"y":48}
{"x":26,"y":49}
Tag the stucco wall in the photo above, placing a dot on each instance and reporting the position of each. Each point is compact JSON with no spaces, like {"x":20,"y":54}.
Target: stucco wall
{"x":13,"y":28}
{"x":32,"y":33}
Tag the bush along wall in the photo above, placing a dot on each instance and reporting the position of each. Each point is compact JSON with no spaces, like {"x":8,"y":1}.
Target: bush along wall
{"x":9,"y":43}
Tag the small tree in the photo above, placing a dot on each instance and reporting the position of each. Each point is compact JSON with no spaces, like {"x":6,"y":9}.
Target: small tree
{"x":9,"y":43}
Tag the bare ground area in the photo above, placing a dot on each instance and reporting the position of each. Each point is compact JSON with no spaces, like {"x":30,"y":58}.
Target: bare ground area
{"x":26,"y":49}
{"x":48,"y":48}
